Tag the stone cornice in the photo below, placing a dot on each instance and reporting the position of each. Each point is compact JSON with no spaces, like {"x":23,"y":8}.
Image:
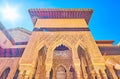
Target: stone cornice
{"x":60,"y":13}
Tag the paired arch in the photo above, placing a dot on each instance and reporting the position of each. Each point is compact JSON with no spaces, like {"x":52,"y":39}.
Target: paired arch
{"x":61,"y":72}
{"x":51,"y":48}
{"x":61,"y":65}
{"x":81,"y":44}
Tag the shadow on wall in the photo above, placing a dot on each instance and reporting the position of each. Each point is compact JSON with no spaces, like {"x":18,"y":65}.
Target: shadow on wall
{"x":5,"y":73}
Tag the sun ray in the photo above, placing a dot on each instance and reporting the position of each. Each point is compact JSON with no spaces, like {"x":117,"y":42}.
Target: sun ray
{"x":10,"y":13}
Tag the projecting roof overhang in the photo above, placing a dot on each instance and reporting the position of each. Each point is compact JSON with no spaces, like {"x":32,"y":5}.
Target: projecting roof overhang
{"x":47,"y":13}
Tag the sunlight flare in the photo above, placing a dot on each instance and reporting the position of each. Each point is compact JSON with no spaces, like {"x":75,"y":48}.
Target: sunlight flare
{"x":10,"y":13}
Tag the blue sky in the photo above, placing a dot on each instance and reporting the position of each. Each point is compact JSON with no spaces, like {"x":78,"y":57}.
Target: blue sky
{"x":104,"y":24}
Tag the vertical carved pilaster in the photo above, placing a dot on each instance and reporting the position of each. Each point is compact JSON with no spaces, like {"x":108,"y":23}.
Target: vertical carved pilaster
{"x":112,"y":72}
{"x":76,"y":62}
{"x":48,"y":69}
{"x":83,"y":68}
{"x":92,"y":75}
{"x":47,"y":74}
{"x":78,"y":72}
{"x":68,"y":74}
{"x":103,"y":74}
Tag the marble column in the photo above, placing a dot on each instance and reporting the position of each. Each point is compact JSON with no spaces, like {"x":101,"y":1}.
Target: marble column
{"x":85,"y":75}
{"x":48,"y":69}
{"x":93,"y":75}
{"x":68,"y":74}
{"x":47,"y":75}
{"x":103,"y":74}
{"x":112,"y":72}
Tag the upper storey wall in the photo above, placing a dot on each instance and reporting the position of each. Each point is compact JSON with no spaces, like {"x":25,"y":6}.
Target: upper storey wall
{"x":61,"y":23}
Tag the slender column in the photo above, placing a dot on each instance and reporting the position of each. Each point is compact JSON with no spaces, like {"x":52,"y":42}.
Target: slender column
{"x":40,"y":72}
{"x":48,"y":69}
{"x":78,"y":72}
{"x":84,"y":69}
{"x":48,"y":63}
{"x":111,"y":70}
{"x":47,"y":74}
{"x":76,"y":62}
{"x":104,"y":76}
{"x":92,"y":75}
{"x":68,"y":74}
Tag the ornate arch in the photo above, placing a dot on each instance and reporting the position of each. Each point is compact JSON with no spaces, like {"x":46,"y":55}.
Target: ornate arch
{"x":81,"y":44}
{"x":61,"y":65}
{"x":39,"y":44}
{"x":53,"y":46}
{"x":59,"y":42}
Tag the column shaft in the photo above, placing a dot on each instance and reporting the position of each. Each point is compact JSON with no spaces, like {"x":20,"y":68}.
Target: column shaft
{"x":112,"y":72}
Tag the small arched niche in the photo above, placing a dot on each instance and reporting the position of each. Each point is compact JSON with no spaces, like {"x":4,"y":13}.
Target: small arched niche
{"x":5,"y":73}
{"x":72,"y":73}
{"x":61,"y":73}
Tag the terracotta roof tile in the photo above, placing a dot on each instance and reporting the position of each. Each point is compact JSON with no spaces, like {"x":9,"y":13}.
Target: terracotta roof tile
{"x":110,"y":50}
{"x":60,"y":13}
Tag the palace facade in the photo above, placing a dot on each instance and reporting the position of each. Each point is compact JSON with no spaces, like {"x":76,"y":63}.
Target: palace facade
{"x":60,"y":46}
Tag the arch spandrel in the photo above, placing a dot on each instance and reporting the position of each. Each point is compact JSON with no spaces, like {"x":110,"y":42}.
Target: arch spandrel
{"x":81,"y":44}
{"x":59,"y":42}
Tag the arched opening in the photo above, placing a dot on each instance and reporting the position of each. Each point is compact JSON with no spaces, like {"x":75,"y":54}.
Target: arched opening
{"x":72,"y":73}
{"x":62,"y":52}
{"x":61,"y":73}
{"x":40,"y":72}
{"x":83,"y":62}
{"x":62,"y":56}
{"x":16,"y":74}
{"x":5,"y":73}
